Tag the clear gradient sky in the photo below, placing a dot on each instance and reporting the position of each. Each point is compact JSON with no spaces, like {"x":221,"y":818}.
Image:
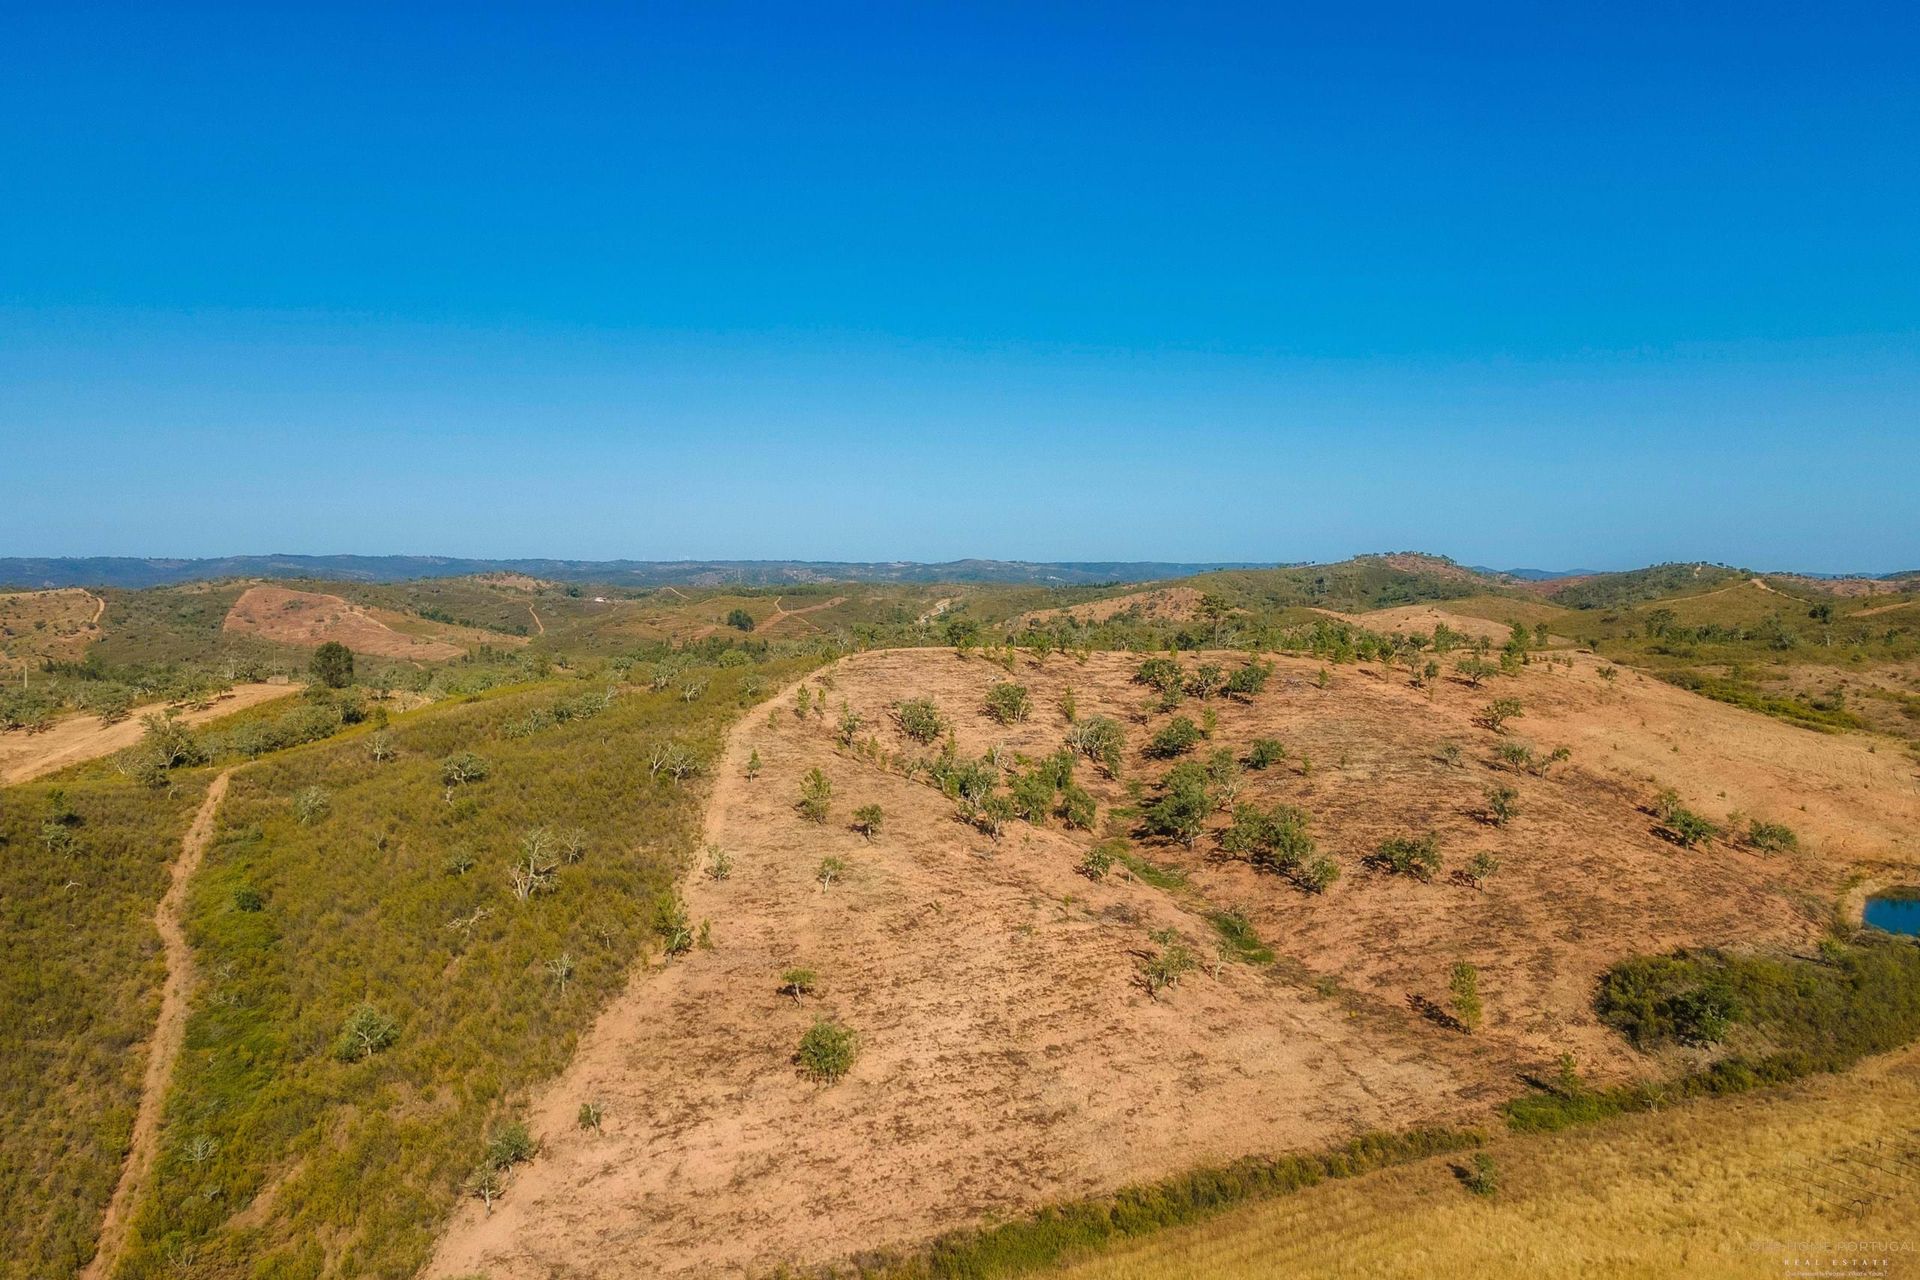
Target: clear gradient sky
{"x":1545,"y":285}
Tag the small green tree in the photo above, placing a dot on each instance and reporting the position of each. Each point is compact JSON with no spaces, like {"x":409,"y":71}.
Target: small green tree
{"x":921,"y":720}
{"x":1415,"y":856}
{"x":1316,"y":874}
{"x":1177,"y":737}
{"x":1265,"y":752}
{"x":816,"y":795}
{"x":753,"y":764}
{"x":1008,"y":702}
{"x":332,"y":665}
{"x":1098,"y":861}
{"x":831,"y":869}
{"x":1499,"y":711}
{"x":1480,"y":868}
{"x":1502,"y":805}
{"x":1184,"y":802}
{"x":592,"y":1116}
{"x":827,"y":1051}
{"x":1166,"y":966}
{"x":867,"y":819}
{"x":740,"y":620}
{"x":798,"y":982}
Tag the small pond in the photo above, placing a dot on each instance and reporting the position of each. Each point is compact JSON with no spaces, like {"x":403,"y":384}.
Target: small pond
{"x":1895,"y":910}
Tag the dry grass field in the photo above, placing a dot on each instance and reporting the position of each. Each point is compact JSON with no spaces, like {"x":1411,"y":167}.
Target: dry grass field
{"x":1822,"y":1177}
{"x":1012,"y":1051}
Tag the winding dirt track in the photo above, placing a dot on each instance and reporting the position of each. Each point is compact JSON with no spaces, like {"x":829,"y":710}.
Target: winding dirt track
{"x":169,"y":1031}
{"x":540,"y":628}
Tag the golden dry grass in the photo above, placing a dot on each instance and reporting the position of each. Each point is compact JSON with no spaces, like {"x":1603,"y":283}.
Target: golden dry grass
{"x":1726,"y":1188}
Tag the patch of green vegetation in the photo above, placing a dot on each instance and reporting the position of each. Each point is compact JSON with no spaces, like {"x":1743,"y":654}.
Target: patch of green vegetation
{"x":1778,"y":1018}
{"x":1238,"y":936}
{"x":1042,"y":1240}
{"x":87,"y":861}
{"x":1742,"y":693}
{"x":569,"y":843}
{"x":1618,"y":590}
{"x":1171,"y":878}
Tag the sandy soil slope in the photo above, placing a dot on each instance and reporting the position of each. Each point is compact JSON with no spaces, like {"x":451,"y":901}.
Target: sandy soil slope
{"x":1164,"y":604}
{"x":79,"y":738}
{"x":1011,"y":1055}
{"x":310,"y":619}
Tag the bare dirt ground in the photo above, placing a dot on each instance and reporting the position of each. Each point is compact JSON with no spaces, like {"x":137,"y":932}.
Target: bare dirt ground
{"x":169,"y":1032}
{"x":76,"y":739}
{"x":1162,"y":604}
{"x":1011,"y":1055}
{"x":1422,"y":618}
{"x":310,"y":619}
{"x":57,"y":624}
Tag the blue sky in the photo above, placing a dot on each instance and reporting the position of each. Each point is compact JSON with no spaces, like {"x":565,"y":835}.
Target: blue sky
{"x":1541,"y":285}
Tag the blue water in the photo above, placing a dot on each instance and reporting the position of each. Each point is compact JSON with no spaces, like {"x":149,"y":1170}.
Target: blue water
{"x":1896,"y":911}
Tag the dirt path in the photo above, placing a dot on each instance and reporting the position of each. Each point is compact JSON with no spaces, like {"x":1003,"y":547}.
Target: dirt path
{"x":169,"y":1031}
{"x":99,"y":609}
{"x":79,"y":738}
{"x":540,"y":628}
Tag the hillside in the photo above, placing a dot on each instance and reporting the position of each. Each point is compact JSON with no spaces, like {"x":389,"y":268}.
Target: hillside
{"x":1013,"y":1053}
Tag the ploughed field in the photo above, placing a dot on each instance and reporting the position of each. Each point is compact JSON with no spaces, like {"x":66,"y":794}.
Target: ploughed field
{"x":1019,"y":1041}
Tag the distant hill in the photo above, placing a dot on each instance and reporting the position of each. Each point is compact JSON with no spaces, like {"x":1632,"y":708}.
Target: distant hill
{"x":1535,"y":575}
{"x":134,"y":572}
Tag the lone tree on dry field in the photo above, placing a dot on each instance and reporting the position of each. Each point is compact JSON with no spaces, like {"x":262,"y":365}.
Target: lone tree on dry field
{"x":867,"y":819}
{"x":816,"y":794}
{"x":332,"y":665}
{"x":1499,"y":711}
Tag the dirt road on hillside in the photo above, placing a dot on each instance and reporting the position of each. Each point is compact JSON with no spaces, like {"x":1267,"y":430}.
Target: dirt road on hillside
{"x":169,"y":1031}
{"x":79,"y":738}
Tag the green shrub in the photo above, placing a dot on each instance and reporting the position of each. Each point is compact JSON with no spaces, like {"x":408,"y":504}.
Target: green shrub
{"x":921,"y":720}
{"x":1479,"y":1176}
{"x":1265,"y":752}
{"x":365,"y":1032}
{"x":510,"y":1144}
{"x":867,"y":820}
{"x":1008,"y":703}
{"x":1176,"y":738}
{"x":1772,"y":837}
{"x":1100,"y":739}
{"x":1184,"y":803}
{"x":1274,"y":839}
{"x":332,"y":665}
{"x":827,"y":1051}
{"x":740,"y":619}
{"x":1416,"y":856}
